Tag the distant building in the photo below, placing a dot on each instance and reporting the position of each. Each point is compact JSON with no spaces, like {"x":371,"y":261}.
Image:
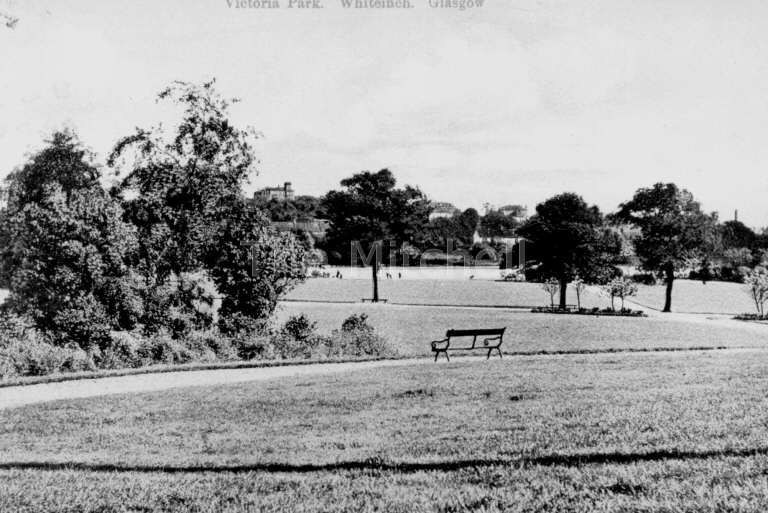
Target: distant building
{"x":442,"y":209}
{"x":283,"y":193}
{"x":518,"y":212}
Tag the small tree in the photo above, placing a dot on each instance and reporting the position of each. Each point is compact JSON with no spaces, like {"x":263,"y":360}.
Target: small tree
{"x":757,"y":286}
{"x":621,"y":288}
{"x":551,"y":287}
{"x":579,"y":286}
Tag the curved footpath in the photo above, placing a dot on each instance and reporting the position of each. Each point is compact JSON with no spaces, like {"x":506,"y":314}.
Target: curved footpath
{"x":14,"y":396}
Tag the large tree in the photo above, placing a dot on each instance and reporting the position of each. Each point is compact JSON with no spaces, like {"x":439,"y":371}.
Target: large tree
{"x":571,"y":240}
{"x":373,"y":215}
{"x":674,"y":231}
{"x":65,"y":247}
{"x":182,"y":184}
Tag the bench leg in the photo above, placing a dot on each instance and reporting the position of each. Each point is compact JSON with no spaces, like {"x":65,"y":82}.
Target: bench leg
{"x":489,"y":354}
{"x":437,"y":354}
{"x":499,"y":350}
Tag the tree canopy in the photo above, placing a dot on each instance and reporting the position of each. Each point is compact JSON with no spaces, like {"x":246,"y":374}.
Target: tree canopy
{"x":571,"y":240}
{"x":674,"y":231}
{"x":65,"y":247}
{"x":373,"y":212}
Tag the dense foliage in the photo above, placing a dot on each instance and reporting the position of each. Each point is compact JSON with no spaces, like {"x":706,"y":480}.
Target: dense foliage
{"x":674,"y":231}
{"x":571,"y":241}
{"x":66,"y":248}
{"x":372,"y":216}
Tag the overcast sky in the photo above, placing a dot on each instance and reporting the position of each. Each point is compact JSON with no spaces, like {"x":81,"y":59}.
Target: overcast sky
{"x":508,"y":103}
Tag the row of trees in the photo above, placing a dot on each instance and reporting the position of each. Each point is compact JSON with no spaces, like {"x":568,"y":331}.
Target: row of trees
{"x":571,"y":238}
{"x":81,"y":260}
{"x":574,"y":240}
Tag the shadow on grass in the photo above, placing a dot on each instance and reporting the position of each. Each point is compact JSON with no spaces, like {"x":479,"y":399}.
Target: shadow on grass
{"x":565,"y":460}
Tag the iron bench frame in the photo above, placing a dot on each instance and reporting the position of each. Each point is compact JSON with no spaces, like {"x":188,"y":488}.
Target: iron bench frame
{"x":492,"y":334}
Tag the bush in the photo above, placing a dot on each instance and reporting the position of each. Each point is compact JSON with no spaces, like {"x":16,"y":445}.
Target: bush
{"x":299,"y":327}
{"x":32,"y":355}
{"x":122,"y":352}
{"x":356,"y":323}
{"x":212,"y":341}
{"x":84,"y":324}
{"x":358,"y":338}
{"x":163,"y":349}
{"x":254,"y":346}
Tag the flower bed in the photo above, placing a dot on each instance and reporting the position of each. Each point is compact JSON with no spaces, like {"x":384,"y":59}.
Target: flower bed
{"x":624,"y":312}
{"x":751,"y":317}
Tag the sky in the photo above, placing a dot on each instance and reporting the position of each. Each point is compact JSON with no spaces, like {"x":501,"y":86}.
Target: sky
{"x":511,"y":102}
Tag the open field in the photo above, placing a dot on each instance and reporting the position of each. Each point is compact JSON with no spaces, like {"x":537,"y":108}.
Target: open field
{"x":631,"y":432}
{"x":436,"y":292}
{"x":697,"y":297}
{"x":688,"y":296}
{"x":411,"y":328}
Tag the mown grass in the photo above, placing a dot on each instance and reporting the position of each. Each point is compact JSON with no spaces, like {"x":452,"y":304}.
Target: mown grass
{"x":696,"y":297}
{"x":630,"y":432}
{"x":411,"y":328}
{"x":437,"y":292}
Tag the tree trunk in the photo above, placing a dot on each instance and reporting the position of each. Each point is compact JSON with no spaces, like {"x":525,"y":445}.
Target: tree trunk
{"x":563,"y":289}
{"x":670,"y":272}
{"x":375,"y":271}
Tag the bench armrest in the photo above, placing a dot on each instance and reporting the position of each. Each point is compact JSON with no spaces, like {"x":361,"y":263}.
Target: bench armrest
{"x":486,"y":340}
{"x":436,"y":343}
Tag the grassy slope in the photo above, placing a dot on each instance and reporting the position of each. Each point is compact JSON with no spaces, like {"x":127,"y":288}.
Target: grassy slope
{"x":411,"y":328}
{"x":662,"y":432}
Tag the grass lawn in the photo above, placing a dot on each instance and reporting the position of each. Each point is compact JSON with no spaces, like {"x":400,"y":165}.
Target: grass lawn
{"x":630,"y":432}
{"x":411,"y":328}
{"x":436,"y":292}
{"x":697,"y":297}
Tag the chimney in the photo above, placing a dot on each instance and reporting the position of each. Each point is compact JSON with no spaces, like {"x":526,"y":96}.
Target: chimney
{"x":736,"y":215}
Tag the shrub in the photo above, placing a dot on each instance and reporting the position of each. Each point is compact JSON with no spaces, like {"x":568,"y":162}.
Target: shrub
{"x":356,"y":323}
{"x":122,"y":352}
{"x":220,"y":345}
{"x":32,"y":355}
{"x":299,"y":327}
{"x":84,"y":324}
{"x":163,"y":349}
{"x":358,"y":338}
{"x":254,"y":346}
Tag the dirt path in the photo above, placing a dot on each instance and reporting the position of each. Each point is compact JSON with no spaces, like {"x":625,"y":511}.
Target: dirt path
{"x":11,"y":397}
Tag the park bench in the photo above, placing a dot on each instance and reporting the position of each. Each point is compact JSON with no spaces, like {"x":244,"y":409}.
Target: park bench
{"x":492,"y":341}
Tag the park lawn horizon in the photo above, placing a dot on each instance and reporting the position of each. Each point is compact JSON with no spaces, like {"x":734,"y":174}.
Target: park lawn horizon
{"x":441,"y":292}
{"x":411,"y":328}
{"x":632,"y":432}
